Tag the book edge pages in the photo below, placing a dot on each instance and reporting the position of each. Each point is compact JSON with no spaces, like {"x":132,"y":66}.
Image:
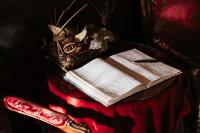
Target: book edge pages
{"x":163,"y":79}
{"x":126,"y":95}
{"x":85,"y":87}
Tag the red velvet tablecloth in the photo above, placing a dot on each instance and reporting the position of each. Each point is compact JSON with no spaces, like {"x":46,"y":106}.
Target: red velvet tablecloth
{"x":158,"y":114}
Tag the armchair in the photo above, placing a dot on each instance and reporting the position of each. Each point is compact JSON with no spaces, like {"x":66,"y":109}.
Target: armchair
{"x":173,"y":27}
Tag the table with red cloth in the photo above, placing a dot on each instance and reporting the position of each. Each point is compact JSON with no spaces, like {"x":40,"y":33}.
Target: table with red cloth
{"x":159,"y":113}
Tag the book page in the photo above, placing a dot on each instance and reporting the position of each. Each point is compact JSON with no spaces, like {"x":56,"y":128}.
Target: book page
{"x":160,"y":69}
{"x":107,"y":78}
{"x":143,"y":75}
{"x":133,"y":55}
{"x":155,"y":72}
{"x":87,"y":88}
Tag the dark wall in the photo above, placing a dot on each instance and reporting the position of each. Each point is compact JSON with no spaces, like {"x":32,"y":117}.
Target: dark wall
{"x":22,"y":23}
{"x":126,"y":20}
{"x":19,"y":10}
{"x":22,"y":62}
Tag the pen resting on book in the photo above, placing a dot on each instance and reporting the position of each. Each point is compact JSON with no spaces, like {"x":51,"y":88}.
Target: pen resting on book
{"x":146,"y":61}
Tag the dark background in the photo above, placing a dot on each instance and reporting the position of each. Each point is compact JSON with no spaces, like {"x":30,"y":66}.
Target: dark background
{"x":23,"y":66}
{"x":125,"y":20}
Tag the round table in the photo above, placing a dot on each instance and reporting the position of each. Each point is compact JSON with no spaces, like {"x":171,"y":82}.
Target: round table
{"x":158,"y":110}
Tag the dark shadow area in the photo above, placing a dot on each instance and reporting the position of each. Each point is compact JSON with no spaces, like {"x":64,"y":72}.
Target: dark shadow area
{"x":116,"y":122}
{"x":164,"y":119}
{"x":126,"y":20}
{"x":182,"y":38}
{"x":4,"y":122}
{"x":22,"y":67}
{"x":150,"y":128}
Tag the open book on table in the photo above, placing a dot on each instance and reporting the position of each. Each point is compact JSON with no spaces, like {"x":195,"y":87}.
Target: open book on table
{"x":119,"y":76}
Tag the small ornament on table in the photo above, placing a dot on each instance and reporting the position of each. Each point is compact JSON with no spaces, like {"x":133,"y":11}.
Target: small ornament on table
{"x":70,"y":50}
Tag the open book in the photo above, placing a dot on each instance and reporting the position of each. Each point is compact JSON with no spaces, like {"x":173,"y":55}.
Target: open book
{"x":119,"y":76}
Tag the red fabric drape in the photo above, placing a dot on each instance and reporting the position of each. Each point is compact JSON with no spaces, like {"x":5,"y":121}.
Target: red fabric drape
{"x":159,"y":114}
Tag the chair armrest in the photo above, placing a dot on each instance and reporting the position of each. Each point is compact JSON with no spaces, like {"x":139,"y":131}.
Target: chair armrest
{"x":56,"y":119}
{"x":185,"y":61}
